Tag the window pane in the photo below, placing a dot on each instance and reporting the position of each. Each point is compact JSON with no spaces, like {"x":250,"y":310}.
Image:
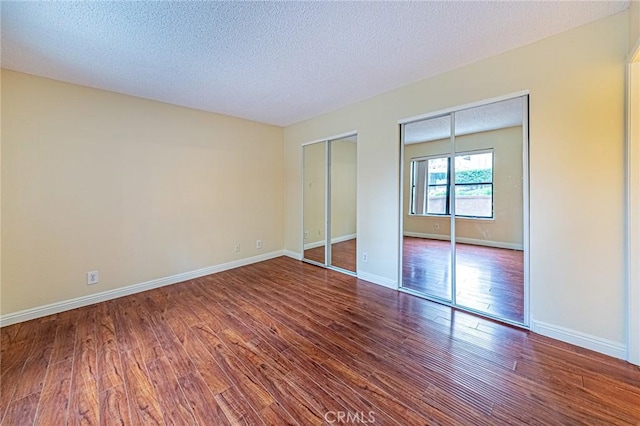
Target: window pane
{"x":438,"y":171}
{"x":437,"y":200}
{"x":474,"y":200}
{"x":474,"y":168}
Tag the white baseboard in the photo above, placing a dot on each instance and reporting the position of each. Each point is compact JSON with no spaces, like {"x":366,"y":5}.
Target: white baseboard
{"x":464,"y":240}
{"x":376,"y":279}
{"x":57,"y":307}
{"x":343,"y":238}
{"x":578,"y":338}
{"x":314,"y":245}
{"x":333,"y":241}
{"x":293,"y":254}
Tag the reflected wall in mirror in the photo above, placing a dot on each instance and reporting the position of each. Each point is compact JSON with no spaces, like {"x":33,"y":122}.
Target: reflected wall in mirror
{"x":476,"y":176}
{"x":314,"y":201}
{"x":329,"y":203}
{"x":343,"y":203}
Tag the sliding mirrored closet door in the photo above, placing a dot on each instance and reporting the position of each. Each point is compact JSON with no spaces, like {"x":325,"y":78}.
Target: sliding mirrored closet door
{"x":464,"y":209}
{"x":315,"y":201}
{"x":329,"y":203}
{"x":489,"y":211}
{"x":427,"y":254}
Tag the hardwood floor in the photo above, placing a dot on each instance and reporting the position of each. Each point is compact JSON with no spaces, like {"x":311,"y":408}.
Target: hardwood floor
{"x":316,"y":254}
{"x":283,"y":342}
{"x":489,"y":279}
{"x":343,"y":254}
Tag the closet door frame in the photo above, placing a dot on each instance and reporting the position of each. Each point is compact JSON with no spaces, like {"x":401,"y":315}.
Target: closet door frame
{"x":327,"y":201}
{"x":451,"y":112}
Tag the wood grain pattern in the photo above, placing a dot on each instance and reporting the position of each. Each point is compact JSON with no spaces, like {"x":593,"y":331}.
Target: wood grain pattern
{"x":488,"y":279}
{"x":53,"y":407}
{"x":83,"y":406}
{"x":22,"y":411}
{"x":143,"y":401}
{"x":114,"y":407}
{"x":170,"y":395}
{"x":202,"y":402}
{"x":286,"y":343}
{"x":108,"y":354}
{"x":343,"y":254}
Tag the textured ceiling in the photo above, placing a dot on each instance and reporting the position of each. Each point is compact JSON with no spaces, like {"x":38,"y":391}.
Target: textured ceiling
{"x":275,"y":62}
{"x":497,"y":115}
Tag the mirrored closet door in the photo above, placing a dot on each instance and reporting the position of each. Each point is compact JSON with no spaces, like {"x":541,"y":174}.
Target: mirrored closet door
{"x":314,"y":204}
{"x":329,"y":203}
{"x":464,"y":209}
{"x":427,"y":265}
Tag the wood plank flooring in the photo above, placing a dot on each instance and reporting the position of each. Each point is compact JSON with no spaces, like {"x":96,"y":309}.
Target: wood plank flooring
{"x":488,"y":279}
{"x":343,"y":254}
{"x":283,"y":342}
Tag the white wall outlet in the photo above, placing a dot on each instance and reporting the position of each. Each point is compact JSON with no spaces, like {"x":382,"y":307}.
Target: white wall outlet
{"x":365,"y":257}
{"x":306,"y":235}
{"x":93,"y":277}
{"x":238,"y":247}
{"x":258,"y":244}
{"x":436,"y":226}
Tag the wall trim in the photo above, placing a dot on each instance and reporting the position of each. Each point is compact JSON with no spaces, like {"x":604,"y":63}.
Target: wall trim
{"x":78,"y":302}
{"x":632,"y":207}
{"x":314,"y":245}
{"x":474,"y":241}
{"x":376,"y":279}
{"x":333,"y":241}
{"x":578,"y":338}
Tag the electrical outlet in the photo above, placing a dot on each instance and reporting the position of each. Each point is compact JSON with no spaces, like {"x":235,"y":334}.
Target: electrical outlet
{"x":238,"y":247}
{"x":365,"y":257}
{"x":306,"y":235}
{"x":93,"y":277}
{"x":258,"y":244}
{"x":436,"y":226}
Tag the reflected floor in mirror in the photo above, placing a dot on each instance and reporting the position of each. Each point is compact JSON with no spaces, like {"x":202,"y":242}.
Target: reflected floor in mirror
{"x":343,"y":254}
{"x":489,"y":279}
{"x":316,"y":254}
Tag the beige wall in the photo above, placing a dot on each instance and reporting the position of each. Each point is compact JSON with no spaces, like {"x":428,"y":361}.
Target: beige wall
{"x":343,"y":188}
{"x":634,"y":26}
{"x":315,"y":176}
{"x":505,"y":229}
{"x":133,"y":188}
{"x":576,"y":83}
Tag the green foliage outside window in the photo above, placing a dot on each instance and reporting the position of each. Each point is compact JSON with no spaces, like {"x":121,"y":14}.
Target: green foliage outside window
{"x":474,"y":176}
